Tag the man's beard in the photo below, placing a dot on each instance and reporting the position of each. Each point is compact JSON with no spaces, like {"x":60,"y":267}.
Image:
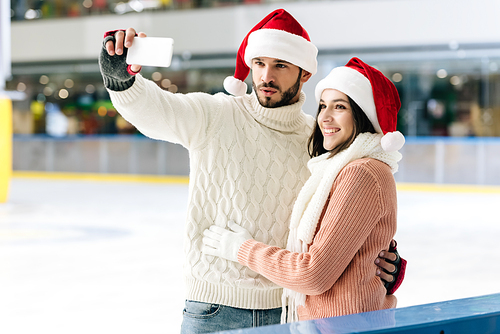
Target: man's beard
{"x":286,"y":96}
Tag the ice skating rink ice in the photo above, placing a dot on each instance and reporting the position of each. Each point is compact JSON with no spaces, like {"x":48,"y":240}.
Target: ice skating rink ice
{"x":84,"y":256}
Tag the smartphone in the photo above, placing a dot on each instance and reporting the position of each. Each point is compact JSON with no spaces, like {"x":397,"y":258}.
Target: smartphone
{"x":151,"y":51}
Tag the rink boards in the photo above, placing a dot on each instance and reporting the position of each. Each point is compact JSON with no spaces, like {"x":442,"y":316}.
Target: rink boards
{"x":469,"y":315}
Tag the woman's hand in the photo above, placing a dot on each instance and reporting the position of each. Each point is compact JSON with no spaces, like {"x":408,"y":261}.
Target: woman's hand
{"x":221,"y":242}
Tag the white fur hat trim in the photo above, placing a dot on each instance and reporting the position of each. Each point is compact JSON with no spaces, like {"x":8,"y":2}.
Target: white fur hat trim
{"x":282,"y":45}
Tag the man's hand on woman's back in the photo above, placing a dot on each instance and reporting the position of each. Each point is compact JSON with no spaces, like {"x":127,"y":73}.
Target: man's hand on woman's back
{"x":392,"y":268}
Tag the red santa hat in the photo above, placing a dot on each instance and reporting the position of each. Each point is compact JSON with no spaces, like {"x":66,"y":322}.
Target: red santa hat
{"x":279,"y":36}
{"x":373,"y":92}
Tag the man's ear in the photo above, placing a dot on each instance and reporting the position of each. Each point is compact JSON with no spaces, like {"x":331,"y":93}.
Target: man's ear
{"x":305,"y":76}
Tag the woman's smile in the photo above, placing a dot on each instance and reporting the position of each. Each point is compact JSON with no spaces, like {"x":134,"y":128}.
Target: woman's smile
{"x":335,"y":118}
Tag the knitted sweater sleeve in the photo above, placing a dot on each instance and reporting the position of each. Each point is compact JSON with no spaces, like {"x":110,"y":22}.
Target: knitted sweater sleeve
{"x":186,"y":119}
{"x":354,"y":208}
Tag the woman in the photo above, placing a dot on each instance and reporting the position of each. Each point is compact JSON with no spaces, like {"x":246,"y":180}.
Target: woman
{"x":348,"y":206}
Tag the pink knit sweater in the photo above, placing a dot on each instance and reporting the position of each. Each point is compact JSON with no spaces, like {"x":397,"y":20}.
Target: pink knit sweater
{"x":338,"y":272}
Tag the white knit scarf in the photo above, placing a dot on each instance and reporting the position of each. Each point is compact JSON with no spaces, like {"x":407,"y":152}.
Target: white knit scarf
{"x":312,"y":199}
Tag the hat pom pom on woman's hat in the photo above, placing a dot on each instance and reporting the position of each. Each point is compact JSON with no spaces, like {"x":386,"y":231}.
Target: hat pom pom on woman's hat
{"x":235,"y":86}
{"x":392,"y":141}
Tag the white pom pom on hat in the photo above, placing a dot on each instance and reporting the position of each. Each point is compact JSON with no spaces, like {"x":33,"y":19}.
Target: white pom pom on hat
{"x":375,"y":94}
{"x":392,"y":141}
{"x":279,"y":36}
{"x":235,"y":86}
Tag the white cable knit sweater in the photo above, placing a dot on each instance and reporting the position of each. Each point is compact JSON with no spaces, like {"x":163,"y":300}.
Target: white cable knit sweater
{"x":247,"y":164}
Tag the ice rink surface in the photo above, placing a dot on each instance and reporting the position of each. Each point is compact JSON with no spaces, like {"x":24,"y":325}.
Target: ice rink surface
{"x":106,"y":257}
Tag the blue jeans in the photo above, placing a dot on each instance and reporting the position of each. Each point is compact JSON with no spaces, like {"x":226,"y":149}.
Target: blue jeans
{"x":207,"y":318}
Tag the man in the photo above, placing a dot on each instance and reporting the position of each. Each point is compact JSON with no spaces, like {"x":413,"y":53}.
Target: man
{"x":248,"y":157}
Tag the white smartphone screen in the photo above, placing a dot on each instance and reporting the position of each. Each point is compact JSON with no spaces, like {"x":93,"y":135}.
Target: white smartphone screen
{"x":151,"y":51}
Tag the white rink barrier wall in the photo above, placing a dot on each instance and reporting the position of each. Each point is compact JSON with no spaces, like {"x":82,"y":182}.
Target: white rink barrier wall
{"x":439,"y":160}
{"x":117,"y":154}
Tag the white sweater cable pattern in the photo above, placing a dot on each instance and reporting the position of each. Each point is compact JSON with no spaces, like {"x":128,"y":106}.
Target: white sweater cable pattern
{"x":247,"y":164}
